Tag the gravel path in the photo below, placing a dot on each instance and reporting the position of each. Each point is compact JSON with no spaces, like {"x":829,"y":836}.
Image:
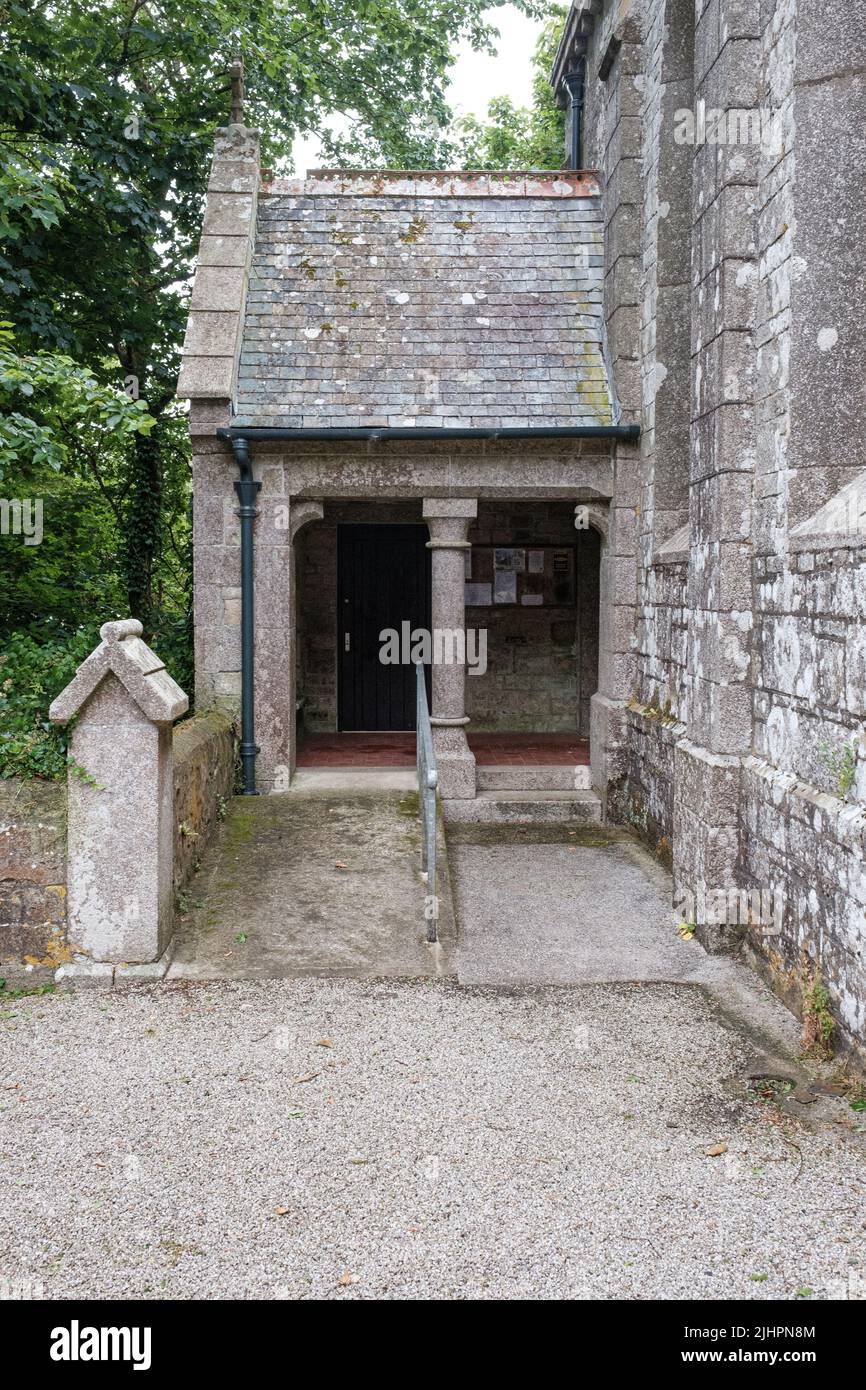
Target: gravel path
{"x":197,"y":1141}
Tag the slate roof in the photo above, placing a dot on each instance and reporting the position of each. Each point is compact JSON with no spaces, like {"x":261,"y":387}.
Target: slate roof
{"x":428,"y":299}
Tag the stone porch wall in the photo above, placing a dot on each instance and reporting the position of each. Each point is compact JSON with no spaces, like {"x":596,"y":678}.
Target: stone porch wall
{"x":317,"y":627}
{"x":204,"y":772}
{"x":374,"y":478}
{"x":542,"y":663}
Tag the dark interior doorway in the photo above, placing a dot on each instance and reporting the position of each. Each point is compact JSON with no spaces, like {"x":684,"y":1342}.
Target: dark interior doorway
{"x":383,"y":581}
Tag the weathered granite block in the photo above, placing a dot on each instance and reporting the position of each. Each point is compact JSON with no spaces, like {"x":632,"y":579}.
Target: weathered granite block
{"x":120,"y":812}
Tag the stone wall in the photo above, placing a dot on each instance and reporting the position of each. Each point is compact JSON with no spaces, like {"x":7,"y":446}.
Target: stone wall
{"x":316,"y":563}
{"x":612,"y":39}
{"x":373,"y":481}
{"x":32,"y":875}
{"x":645,"y":796}
{"x":204,"y":771}
{"x":743,"y":756}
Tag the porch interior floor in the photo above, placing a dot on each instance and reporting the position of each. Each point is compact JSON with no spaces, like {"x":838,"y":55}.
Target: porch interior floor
{"x":397,"y":749}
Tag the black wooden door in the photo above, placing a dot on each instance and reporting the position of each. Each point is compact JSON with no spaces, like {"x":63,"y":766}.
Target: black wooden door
{"x":383,"y":582}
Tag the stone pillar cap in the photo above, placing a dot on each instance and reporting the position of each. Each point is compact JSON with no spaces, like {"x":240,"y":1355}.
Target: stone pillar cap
{"x":139,"y":670}
{"x":445,"y":507}
{"x":126,"y":627}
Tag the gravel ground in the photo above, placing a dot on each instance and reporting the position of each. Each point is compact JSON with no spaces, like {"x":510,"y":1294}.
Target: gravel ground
{"x":201,"y":1141}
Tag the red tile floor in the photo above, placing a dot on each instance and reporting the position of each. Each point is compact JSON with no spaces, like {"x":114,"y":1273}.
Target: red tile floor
{"x":398,"y":750}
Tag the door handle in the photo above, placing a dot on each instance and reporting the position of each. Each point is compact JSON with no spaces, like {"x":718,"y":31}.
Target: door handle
{"x":347,"y":641}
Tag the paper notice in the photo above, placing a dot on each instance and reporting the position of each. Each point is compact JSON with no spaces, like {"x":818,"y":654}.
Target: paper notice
{"x":477,"y":595}
{"x":507,"y":559}
{"x":505,"y":586}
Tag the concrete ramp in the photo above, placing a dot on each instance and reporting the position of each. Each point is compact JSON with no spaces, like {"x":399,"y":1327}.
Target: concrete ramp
{"x":548,"y":904}
{"x":319,"y":882}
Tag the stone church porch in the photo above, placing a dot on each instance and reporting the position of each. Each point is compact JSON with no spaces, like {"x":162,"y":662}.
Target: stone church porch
{"x":520,"y":580}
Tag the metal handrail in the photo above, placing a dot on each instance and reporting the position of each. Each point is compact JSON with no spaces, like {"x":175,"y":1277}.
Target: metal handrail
{"x":428,"y":781}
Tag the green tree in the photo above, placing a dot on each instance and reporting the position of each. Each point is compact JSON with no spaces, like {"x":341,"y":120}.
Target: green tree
{"x":107,"y":115}
{"x":519,"y":137}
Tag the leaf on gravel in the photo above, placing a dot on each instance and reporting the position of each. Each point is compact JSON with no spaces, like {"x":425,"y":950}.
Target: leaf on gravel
{"x":338,"y":864}
{"x":241,"y":938}
{"x":346,"y":1279}
{"x":282,"y":1211}
{"x":359,"y":1160}
{"x":324,"y":1042}
{"x":308,"y":1076}
{"x":716,"y":1151}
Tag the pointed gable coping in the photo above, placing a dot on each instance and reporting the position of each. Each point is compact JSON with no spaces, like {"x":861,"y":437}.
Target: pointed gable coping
{"x":139,"y":670}
{"x":675,"y":549}
{"x":839,"y":523}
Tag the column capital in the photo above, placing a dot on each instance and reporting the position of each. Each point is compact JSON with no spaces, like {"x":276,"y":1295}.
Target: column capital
{"x":435,"y":508}
{"x":448,"y":521}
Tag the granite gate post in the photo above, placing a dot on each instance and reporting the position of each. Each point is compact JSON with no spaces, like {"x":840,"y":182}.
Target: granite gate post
{"x":120,"y":798}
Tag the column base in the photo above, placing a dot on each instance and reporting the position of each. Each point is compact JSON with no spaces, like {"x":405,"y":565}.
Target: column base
{"x":456,"y":763}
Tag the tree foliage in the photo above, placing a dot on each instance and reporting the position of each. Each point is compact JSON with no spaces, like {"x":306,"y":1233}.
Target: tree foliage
{"x":107,"y":116}
{"x":52,"y":409}
{"x":519,"y":137}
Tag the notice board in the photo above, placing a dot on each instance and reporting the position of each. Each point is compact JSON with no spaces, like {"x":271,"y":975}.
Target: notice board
{"x":530,"y":576}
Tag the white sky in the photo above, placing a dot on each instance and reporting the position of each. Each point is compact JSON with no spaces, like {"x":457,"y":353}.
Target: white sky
{"x":475,"y":77}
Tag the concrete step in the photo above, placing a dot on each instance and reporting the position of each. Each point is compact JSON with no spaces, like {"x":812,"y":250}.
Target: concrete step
{"x":561,"y":777}
{"x":525,"y":808}
{"x":354,"y":779}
